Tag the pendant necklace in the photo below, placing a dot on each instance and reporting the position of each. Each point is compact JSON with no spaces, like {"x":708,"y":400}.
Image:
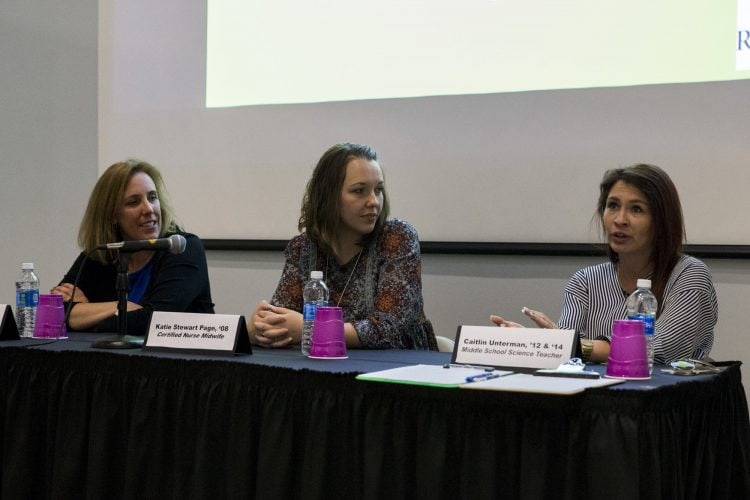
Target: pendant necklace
{"x":341,"y":296}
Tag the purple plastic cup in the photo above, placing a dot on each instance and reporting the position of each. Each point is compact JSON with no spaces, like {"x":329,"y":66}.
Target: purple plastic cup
{"x":328,"y":339}
{"x":627,"y":351}
{"x":50,"y":317}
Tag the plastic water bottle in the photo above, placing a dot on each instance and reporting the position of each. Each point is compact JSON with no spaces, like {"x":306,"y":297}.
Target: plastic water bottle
{"x":314,"y":294}
{"x":27,"y":299}
{"x":642,"y":305}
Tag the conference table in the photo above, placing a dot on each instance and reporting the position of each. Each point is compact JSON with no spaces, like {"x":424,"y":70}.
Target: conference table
{"x":79,"y":422}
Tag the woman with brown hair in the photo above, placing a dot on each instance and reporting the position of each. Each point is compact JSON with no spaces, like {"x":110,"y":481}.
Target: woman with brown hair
{"x":370,"y":263}
{"x":641,"y":218}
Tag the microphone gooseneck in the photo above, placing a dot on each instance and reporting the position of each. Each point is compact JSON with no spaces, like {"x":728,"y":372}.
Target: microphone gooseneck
{"x":174,"y":244}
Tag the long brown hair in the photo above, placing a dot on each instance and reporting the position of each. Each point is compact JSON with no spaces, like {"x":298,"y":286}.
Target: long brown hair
{"x":99,"y":220}
{"x":321,"y":205}
{"x":667,"y":223}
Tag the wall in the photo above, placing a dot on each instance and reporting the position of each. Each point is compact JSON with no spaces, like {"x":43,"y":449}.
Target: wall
{"x":48,"y":133}
{"x":492,"y":149}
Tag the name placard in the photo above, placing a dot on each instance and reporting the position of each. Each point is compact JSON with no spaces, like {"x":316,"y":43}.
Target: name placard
{"x":197,"y":333}
{"x":8,"y":327}
{"x":516,"y":349}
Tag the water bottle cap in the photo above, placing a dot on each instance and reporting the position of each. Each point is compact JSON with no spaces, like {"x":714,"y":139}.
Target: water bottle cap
{"x":27,"y":266}
{"x":643,"y":283}
{"x":316,"y":275}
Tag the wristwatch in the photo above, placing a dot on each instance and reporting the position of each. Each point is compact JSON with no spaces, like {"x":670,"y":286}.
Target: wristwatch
{"x":587,"y":347}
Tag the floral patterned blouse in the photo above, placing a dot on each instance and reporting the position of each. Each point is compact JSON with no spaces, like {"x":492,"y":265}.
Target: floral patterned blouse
{"x":380,"y":290}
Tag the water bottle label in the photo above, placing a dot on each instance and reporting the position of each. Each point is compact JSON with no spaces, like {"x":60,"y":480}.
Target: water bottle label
{"x":308,"y":312}
{"x":27,"y":298}
{"x":648,"y":322}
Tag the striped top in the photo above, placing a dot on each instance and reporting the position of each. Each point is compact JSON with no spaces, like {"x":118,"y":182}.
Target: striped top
{"x":685,"y":327}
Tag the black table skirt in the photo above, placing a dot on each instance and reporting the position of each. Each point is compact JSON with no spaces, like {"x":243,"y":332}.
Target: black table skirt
{"x":83,"y":424}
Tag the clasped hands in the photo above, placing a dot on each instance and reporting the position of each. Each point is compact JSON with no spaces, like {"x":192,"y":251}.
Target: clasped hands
{"x":272,"y":326}
{"x":538,"y":317}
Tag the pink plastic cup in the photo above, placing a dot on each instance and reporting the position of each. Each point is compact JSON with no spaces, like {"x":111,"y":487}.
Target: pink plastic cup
{"x":328,"y":339}
{"x":627,"y":351}
{"x":50,"y":317}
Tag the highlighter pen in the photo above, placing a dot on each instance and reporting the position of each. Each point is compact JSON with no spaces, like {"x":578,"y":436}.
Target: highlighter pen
{"x":482,"y":376}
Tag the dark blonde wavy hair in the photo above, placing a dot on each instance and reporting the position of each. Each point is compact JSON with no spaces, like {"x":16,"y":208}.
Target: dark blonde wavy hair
{"x":99,"y":220}
{"x":321,"y":205}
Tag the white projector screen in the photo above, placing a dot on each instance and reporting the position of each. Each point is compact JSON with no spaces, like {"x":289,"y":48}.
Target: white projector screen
{"x":289,"y":51}
{"x":475,"y":148}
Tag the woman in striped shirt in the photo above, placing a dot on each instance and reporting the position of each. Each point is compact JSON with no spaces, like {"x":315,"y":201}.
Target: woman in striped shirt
{"x":641,"y":219}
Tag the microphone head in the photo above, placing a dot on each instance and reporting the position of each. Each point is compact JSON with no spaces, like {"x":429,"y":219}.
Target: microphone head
{"x":177,"y":243}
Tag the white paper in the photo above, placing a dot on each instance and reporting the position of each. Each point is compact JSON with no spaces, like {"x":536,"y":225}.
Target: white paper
{"x":521,"y":382}
{"x":428,"y":375}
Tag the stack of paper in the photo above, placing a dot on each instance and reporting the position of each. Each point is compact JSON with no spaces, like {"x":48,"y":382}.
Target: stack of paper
{"x":478,"y":378}
{"x":434,"y":375}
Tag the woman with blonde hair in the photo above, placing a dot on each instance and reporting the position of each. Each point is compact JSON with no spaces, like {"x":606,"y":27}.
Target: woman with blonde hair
{"x":129,"y":202}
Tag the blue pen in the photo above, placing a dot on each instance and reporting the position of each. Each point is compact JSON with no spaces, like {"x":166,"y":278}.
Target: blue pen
{"x":482,"y":376}
{"x":474,"y":367}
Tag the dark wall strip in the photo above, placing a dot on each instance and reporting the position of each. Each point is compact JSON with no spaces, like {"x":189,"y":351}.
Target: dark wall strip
{"x":482,"y":248}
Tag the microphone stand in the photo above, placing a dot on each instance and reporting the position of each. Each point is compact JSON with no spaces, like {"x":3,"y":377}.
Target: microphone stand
{"x":121,"y":340}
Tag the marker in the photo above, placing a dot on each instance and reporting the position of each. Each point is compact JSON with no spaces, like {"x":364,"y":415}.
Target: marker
{"x":482,"y":376}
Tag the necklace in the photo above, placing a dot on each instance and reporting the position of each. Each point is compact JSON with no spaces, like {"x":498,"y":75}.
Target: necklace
{"x":341,"y":295}
{"x":621,"y":279}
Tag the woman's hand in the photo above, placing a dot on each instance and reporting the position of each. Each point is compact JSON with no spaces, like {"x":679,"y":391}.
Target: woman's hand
{"x":66,"y":290}
{"x":272,"y":326}
{"x":500,"y":321}
{"x":538,"y":317}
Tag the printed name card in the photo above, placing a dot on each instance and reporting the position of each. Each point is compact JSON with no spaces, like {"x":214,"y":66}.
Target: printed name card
{"x":8,"y":328}
{"x":197,"y":333}
{"x":516,"y":349}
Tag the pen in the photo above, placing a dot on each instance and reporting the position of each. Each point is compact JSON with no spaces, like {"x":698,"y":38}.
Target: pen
{"x":482,"y":376}
{"x":555,"y":373}
{"x":474,"y":367}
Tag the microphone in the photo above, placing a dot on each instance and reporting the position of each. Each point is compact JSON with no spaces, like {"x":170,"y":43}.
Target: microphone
{"x":174,"y":244}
